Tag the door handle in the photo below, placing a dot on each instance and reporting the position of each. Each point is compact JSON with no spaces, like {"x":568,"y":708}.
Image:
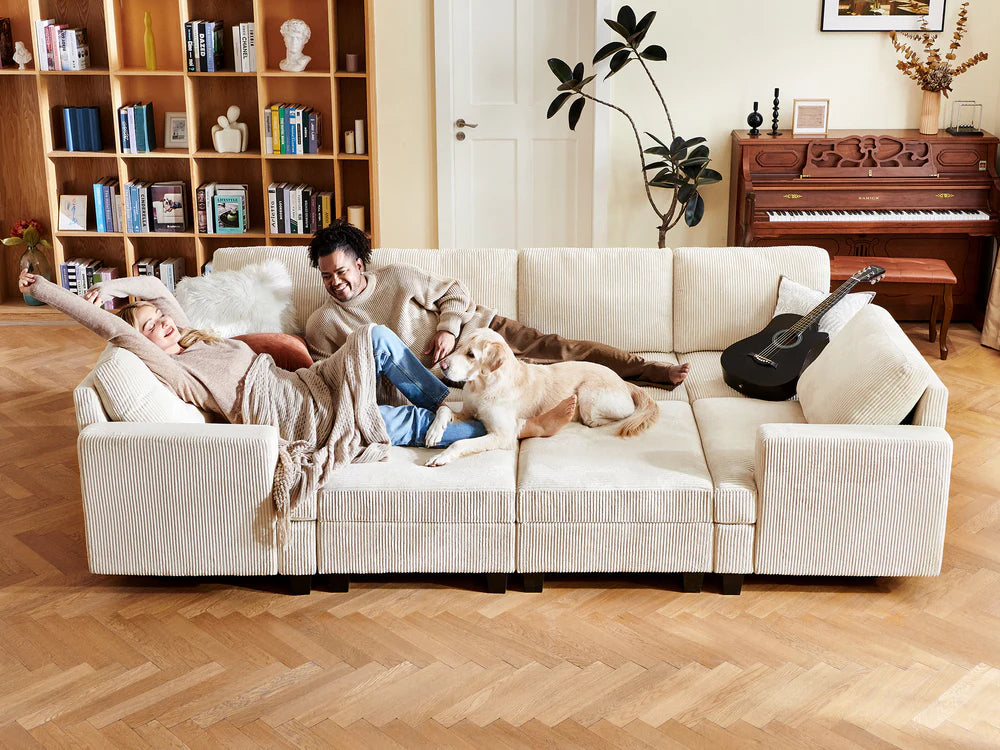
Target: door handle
{"x":461,"y":123}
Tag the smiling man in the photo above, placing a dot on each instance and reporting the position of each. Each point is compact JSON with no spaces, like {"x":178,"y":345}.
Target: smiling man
{"x":430,"y":312}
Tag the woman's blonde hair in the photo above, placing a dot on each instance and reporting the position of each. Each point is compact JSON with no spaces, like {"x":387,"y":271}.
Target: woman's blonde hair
{"x":189,"y":336}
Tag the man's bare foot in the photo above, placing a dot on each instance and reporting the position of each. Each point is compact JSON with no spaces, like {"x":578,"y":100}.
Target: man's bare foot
{"x":678,"y":373}
{"x":549,"y":423}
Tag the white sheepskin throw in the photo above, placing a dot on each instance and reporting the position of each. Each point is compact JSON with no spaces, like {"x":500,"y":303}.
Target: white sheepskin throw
{"x":254,"y":299}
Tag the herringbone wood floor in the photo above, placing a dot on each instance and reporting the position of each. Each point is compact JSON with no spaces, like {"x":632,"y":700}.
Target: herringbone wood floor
{"x":591,"y":662}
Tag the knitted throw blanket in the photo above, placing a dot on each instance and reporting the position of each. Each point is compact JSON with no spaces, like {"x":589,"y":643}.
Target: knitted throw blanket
{"x":326,"y":416}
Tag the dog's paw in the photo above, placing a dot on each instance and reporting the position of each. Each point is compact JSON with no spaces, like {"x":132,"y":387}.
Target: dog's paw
{"x":436,"y":431}
{"x":440,"y":459}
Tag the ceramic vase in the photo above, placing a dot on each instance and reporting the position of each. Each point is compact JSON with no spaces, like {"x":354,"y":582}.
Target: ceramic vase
{"x":930,"y":113}
{"x":33,"y":260}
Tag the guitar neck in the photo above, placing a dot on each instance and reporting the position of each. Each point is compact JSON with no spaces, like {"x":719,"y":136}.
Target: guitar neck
{"x":824,"y":307}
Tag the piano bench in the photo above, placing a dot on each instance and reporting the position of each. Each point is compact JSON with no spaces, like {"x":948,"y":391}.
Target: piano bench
{"x":930,"y":276}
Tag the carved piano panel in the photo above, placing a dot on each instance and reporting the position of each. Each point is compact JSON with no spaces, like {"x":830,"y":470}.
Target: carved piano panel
{"x":895,"y":193}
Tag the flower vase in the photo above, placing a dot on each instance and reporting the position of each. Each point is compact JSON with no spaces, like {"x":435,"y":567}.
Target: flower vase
{"x":33,"y":260}
{"x":930,"y":112}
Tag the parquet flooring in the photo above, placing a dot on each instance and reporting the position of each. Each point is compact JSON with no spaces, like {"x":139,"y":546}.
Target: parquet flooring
{"x":404,"y":662}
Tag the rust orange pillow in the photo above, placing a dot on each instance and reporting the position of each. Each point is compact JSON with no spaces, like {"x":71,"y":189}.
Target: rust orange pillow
{"x":289,"y":352}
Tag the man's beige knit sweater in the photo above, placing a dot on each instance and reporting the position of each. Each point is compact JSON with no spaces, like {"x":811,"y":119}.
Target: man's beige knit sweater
{"x":413,"y":303}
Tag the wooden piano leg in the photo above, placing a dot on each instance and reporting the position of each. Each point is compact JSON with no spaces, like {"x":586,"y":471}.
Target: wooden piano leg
{"x":932,"y":324}
{"x":946,"y":320}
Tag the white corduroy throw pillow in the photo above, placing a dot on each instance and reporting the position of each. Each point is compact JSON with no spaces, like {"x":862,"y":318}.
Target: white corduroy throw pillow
{"x":130,"y":392}
{"x":871,"y":373}
{"x":796,"y":298}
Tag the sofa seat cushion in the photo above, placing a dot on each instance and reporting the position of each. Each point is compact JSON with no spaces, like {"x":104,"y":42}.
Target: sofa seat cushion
{"x":591,"y":475}
{"x":705,"y":379}
{"x":679,"y":393}
{"x":728,"y":429}
{"x":870,"y":374}
{"x":130,"y":392}
{"x":475,"y":489}
{"x":618,"y":296}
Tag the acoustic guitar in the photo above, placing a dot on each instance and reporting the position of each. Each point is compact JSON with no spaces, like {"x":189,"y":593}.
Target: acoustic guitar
{"x":767,"y":365}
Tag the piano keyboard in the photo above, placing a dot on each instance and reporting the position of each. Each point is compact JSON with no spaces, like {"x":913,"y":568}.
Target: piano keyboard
{"x":883,"y":215}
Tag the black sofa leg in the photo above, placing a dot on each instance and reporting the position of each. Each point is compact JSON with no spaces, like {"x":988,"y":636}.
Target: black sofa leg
{"x":732,"y":584}
{"x":533,"y":582}
{"x":693,"y":582}
{"x":299,"y":585}
{"x":336,"y":582}
{"x":496,"y":583}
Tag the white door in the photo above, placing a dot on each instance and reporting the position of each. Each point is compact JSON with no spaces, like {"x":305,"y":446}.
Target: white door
{"x":515,"y":179}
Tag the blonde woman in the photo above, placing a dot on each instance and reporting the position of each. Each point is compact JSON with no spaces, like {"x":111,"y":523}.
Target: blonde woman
{"x":326,"y":415}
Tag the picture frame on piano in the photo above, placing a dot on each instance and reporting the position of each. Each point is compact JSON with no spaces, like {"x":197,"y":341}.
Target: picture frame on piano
{"x":882,"y":15}
{"x":810,"y":116}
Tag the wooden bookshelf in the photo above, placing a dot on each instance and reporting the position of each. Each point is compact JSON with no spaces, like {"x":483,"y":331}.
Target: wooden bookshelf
{"x":118,"y":77}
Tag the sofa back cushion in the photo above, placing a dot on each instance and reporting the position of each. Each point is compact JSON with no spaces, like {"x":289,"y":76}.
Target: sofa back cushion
{"x":871,"y":373}
{"x":129,"y":391}
{"x":618,"y":296}
{"x":489,"y":275}
{"x":724,"y":294}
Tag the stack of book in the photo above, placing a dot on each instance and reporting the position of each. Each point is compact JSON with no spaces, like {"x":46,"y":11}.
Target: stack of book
{"x":293,"y":129}
{"x":83,"y":128}
{"x":244,"y":48}
{"x":107,"y":205}
{"x":222,"y":208}
{"x":155,"y":207}
{"x":135,"y":122}
{"x":79,"y":274}
{"x":169,"y":271}
{"x":203,"y":44}
{"x":64,"y":48}
{"x":298,"y":209}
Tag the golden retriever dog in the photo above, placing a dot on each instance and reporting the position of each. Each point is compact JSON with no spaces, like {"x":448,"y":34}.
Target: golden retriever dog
{"x":502,"y":392}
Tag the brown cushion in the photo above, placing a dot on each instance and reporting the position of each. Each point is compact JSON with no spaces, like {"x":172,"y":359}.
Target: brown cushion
{"x":289,"y":352}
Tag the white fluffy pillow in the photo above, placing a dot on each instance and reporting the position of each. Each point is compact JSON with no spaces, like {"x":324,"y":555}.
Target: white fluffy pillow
{"x":254,"y":299}
{"x":796,"y":298}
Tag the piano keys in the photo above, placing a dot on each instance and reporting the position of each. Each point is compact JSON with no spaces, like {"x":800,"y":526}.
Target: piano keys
{"x":895,"y":193}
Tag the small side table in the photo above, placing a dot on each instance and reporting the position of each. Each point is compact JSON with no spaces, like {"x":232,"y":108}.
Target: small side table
{"x":930,"y":276}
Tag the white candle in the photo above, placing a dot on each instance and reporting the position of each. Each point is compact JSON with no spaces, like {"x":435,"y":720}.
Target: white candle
{"x":356,"y":216}
{"x":359,"y":136}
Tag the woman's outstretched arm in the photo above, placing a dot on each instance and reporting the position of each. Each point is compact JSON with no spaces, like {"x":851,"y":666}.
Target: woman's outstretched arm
{"x":148,"y":288}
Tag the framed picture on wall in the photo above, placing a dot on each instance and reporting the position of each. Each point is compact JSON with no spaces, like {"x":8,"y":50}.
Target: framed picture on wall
{"x":882,"y":15}
{"x":810,"y":116}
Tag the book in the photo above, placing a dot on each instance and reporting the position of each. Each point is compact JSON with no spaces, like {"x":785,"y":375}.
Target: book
{"x":99,"y":206}
{"x":237,"y":48}
{"x":202,"y":46}
{"x":251,"y":47}
{"x":171,"y":271}
{"x":6,"y":44}
{"x":40,"y":42}
{"x":189,"y":47}
{"x":230,"y":217}
{"x":210,"y":46}
{"x":72,"y":213}
{"x":168,"y":209}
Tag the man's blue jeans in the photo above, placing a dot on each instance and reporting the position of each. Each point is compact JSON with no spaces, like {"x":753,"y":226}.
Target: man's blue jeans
{"x":407,"y":425}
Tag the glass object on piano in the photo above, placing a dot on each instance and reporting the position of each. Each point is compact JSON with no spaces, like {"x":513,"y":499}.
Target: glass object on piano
{"x":966,"y":118}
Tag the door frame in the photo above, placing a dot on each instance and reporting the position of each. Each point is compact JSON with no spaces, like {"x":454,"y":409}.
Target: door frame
{"x":444,"y":99}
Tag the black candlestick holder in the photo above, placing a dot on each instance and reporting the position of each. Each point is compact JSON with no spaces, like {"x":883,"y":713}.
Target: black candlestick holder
{"x":774,"y":119}
{"x":755,"y":119}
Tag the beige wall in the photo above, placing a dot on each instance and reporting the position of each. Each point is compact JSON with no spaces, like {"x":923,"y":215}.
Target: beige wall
{"x":723,"y":54}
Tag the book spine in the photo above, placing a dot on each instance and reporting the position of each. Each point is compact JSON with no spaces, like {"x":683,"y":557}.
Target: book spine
{"x":109,"y":215}
{"x":189,"y":46}
{"x":133,"y":144}
{"x":99,"y":207}
{"x":40,"y":44}
{"x":251,"y":47}
{"x":68,"y":127}
{"x":139,"y":127}
{"x":219,"y":51}
{"x":280,"y":210}
{"x":313,"y":132}
{"x":147,"y":109}
{"x":123,"y":130}
{"x":202,"y":46}
{"x":145,"y":224}
{"x":116,"y":206}
{"x":275,"y":130}
{"x":202,"y":217}
{"x":272,"y":209}
{"x":210,"y":46}
{"x":283,"y":123}
{"x":237,"y":44}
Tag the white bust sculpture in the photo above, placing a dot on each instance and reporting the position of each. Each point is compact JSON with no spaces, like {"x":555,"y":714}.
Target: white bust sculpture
{"x":21,"y":55}
{"x":295,"y":33}
{"x":230,"y":136}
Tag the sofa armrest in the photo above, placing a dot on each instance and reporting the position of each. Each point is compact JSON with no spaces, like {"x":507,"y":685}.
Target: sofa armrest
{"x":859,"y":500}
{"x":179,"y":499}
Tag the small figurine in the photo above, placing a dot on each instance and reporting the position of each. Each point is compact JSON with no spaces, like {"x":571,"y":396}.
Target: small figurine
{"x":230,"y":136}
{"x":295,"y":33}
{"x":774,"y":119}
{"x":21,"y":55}
{"x":755,"y":119}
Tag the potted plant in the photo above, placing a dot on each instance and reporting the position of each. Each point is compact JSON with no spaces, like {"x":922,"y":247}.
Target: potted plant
{"x":936,"y":72}
{"x":682,"y":166}
{"x":28,"y":232}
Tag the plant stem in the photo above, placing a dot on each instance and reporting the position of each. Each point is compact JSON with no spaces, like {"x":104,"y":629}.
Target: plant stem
{"x":652,"y":80}
{"x":642,"y":159}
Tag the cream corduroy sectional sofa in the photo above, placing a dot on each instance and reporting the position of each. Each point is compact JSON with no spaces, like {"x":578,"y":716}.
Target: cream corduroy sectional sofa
{"x":721,"y":484}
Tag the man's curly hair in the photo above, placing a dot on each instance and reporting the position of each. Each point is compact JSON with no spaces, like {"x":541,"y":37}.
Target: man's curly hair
{"x":340,"y":236}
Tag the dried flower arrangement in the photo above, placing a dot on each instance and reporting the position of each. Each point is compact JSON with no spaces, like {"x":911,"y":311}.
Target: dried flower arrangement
{"x":936,"y":72}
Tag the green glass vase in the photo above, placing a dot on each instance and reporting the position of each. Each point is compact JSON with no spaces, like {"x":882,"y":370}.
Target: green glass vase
{"x":33,"y":260}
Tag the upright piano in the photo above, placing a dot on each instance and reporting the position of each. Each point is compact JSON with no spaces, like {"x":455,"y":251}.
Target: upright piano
{"x":896,"y":193}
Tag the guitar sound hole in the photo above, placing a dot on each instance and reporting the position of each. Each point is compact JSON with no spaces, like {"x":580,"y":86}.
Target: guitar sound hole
{"x":778,"y":340}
